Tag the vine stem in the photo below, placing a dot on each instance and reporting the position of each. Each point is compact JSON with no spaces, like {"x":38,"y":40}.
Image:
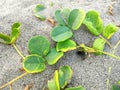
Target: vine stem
{"x":108,"y":81}
{"x":91,"y":50}
{"x":12,"y":81}
{"x":16,"y":48}
{"x":109,"y":54}
{"x":116,"y":46}
{"x":11,"y":87}
{"x":106,"y":41}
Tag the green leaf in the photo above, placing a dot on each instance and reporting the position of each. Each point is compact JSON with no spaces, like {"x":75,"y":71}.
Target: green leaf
{"x":76,"y":18}
{"x":59,"y":18}
{"x":109,"y":31}
{"x":53,"y":56}
{"x":61,"y":33}
{"x":65,"y":12}
{"x":16,"y":25}
{"x":39,"y":45}
{"x":37,"y":11}
{"x":93,"y":22}
{"x":115,"y":87}
{"x":76,"y":88}
{"x":53,"y":84}
{"x":15,"y":32}
{"x":34,"y":64}
{"x":65,"y":75}
{"x":99,"y":44}
{"x":66,"y":45}
{"x":4,"y":38}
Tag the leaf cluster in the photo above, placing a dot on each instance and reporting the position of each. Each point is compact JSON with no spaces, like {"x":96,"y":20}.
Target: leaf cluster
{"x":69,"y":20}
{"x":40,"y":52}
{"x":61,"y":79}
{"x":96,"y":27}
{"x":10,"y":39}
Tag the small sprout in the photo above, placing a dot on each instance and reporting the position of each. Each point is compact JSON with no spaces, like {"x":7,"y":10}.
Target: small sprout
{"x":76,"y":88}
{"x":76,"y":18}
{"x":13,"y":36}
{"x":37,"y":11}
{"x":109,"y":31}
{"x":53,"y":56}
{"x":53,"y":84}
{"x":39,"y":45}
{"x":66,"y":45}
{"x":34,"y":64}
{"x":99,"y":45}
{"x":61,"y":33}
{"x":93,"y":22}
{"x":65,"y":75}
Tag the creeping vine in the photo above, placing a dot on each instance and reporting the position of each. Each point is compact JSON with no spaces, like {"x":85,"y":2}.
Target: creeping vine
{"x":39,"y":46}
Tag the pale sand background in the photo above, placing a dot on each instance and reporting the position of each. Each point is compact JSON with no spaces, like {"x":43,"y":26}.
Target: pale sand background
{"x":91,"y":73}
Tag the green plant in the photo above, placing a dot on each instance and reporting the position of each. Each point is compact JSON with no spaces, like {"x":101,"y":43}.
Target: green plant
{"x":93,"y":22}
{"x":37,"y":11}
{"x":66,"y":45}
{"x":39,"y":46}
{"x":10,"y":39}
{"x":61,"y":79}
{"x":68,"y":20}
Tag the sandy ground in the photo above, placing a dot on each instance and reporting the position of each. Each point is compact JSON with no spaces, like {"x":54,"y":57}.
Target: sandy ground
{"x":92,"y":72}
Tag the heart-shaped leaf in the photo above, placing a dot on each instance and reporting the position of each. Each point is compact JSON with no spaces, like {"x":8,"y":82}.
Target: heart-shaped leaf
{"x":93,"y":22}
{"x":76,"y":88}
{"x":76,"y":18}
{"x":65,"y":75}
{"x":59,"y":18}
{"x":115,"y":87}
{"x":37,"y":11}
{"x":34,"y":64}
{"x":39,"y":45}
{"x":109,"y":31}
{"x":66,"y":45}
{"x":53,"y":84}
{"x":61,"y":33}
{"x":15,"y":32}
{"x":4,"y":38}
{"x":99,"y":44}
{"x":53,"y":56}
